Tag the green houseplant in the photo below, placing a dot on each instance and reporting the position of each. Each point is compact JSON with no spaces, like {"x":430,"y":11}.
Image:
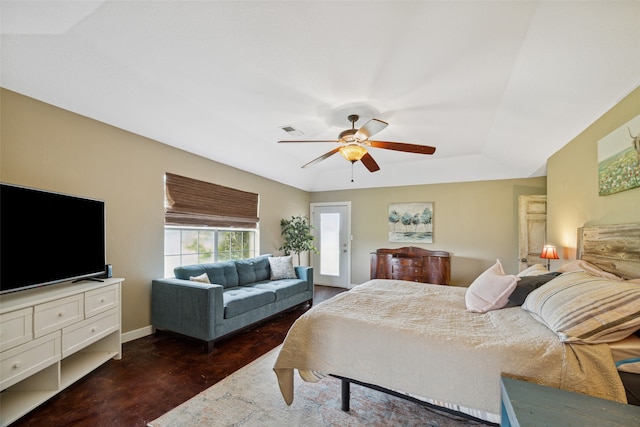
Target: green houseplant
{"x":297,"y":236}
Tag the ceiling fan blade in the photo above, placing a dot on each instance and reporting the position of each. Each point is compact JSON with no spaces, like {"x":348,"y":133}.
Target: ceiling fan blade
{"x":401,"y":146}
{"x":310,"y":140}
{"x":369,"y":163}
{"x":321,"y":158}
{"x":370,"y":128}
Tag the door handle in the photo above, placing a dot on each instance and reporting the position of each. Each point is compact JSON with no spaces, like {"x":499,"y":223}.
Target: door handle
{"x":523,"y":260}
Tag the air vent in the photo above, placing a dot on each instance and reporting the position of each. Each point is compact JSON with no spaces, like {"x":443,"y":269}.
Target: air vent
{"x":291,"y":130}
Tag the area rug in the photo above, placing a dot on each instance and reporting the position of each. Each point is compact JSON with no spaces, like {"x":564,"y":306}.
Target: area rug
{"x":251,"y":397}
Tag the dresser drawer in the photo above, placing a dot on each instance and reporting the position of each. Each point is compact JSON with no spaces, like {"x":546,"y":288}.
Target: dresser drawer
{"x":408,"y":278}
{"x":57,"y":314}
{"x":409,"y":262}
{"x":101,"y":300}
{"x":82,"y":334}
{"x":16,"y":327}
{"x":25,"y":360}
{"x":405,"y":270}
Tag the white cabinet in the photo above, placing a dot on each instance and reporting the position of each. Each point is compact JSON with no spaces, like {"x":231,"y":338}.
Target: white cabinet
{"x":51,"y":337}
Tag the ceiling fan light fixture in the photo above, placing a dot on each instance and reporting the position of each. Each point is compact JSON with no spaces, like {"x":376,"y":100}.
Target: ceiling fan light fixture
{"x":353,"y":143}
{"x":353,"y":152}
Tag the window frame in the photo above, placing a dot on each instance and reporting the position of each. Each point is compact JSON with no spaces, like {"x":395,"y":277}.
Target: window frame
{"x":169,"y":266}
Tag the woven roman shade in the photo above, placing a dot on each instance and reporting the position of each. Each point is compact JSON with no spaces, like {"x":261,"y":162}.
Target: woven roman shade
{"x":199,"y":203}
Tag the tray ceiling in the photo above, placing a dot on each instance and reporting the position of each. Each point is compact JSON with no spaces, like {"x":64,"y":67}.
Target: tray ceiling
{"x":497,"y":87}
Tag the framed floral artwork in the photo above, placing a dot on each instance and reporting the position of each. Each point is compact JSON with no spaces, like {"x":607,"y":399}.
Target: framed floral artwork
{"x":619,"y":159}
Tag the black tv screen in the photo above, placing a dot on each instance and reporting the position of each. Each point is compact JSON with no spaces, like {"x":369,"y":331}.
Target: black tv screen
{"x":47,"y":238}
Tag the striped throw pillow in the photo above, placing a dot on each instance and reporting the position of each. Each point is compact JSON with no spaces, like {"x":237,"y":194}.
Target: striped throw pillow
{"x":583,"y":308}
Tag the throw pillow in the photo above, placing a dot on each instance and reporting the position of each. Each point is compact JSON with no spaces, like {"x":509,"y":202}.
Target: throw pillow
{"x":203,"y":278}
{"x":282,"y":268}
{"x":581,"y":307}
{"x":526,"y":285}
{"x":490,"y":290}
{"x":582,"y":265}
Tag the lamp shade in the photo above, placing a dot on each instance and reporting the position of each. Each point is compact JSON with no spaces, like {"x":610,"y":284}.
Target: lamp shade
{"x":549,"y":252}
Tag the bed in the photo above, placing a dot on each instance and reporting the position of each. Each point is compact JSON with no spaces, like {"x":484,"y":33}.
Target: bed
{"x":423,"y":341}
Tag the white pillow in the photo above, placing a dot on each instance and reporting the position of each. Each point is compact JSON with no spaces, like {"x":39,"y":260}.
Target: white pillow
{"x":282,"y":268}
{"x":203,"y":278}
{"x":582,"y":265}
{"x":490,"y":290}
{"x":534,"y":270}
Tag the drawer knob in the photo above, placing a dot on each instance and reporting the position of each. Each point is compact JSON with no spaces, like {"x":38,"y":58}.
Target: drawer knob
{"x":17,"y":364}
{"x":102,"y":300}
{"x":61,"y":313}
{"x":93,"y":329}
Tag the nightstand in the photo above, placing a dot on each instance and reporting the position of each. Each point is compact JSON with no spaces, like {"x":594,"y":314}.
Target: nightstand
{"x":527,"y":404}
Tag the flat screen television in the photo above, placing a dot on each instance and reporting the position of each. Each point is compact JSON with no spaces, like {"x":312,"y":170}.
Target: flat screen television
{"x":48,"y":238}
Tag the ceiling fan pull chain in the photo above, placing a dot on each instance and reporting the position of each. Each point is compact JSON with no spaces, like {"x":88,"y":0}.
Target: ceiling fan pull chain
{"x":352,"y":163}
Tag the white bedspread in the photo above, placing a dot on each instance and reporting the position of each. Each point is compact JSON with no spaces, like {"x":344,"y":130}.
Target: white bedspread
{"x":419,"y":339}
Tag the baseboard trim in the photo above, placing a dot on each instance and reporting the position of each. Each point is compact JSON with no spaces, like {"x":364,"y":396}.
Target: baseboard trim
{"x":337,"y":286}
{"x":138,"y":333}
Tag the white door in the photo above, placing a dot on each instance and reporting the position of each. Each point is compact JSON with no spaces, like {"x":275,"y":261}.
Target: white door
{"x":332,"y":231}
{"x":532,"y":213}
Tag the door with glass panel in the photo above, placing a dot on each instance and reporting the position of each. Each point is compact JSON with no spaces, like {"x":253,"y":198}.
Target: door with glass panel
{"x":332,"y":231}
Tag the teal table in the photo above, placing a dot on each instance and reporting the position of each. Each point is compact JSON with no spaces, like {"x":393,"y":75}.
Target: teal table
{"x":527,"y":404}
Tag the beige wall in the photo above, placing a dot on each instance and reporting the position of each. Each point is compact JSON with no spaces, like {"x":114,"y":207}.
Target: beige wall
{"x":476,"y":221}
{"x":46,"y":147}
{"x":572,"y":176}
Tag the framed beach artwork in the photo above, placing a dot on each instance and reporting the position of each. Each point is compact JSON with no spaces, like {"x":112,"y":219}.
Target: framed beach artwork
{"x":619,"y":159}
{"x":411,"y":222}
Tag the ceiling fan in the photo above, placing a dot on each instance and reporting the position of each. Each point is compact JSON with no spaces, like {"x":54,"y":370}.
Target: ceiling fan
{"x":354,"y":142}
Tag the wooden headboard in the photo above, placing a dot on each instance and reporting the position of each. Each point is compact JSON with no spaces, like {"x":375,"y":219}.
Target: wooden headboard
{"x":613,"y":248}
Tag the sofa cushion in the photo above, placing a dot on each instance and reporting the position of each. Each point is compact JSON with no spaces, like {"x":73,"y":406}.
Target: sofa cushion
{"x":219,"y":273}
{"x":242,"y":299}
{"x":187,"y":271}
{"x":283,"y":288}
{"x":252,"y":270}
{"x":223,"y":273}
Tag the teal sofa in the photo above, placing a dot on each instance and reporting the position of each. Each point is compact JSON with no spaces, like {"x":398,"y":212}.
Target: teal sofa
{"x":240,"y":294}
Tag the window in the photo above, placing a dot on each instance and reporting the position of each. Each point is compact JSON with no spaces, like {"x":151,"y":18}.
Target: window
{"x":207,"y":222}
{"x":190,"y":245}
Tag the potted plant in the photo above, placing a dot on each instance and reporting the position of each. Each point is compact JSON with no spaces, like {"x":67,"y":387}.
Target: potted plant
{"x":297,"y":236}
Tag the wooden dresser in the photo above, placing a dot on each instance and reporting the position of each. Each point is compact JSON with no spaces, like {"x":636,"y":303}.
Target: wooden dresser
{"x":411,"y":263}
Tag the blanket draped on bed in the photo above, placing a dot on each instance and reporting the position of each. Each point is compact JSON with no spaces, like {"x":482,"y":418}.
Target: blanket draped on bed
{"x":419,"y":339}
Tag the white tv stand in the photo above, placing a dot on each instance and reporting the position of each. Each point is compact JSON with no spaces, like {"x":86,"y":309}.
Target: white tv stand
{"x":51,"y":337}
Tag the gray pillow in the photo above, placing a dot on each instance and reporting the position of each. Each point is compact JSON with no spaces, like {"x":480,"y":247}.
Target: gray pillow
{"x":526,"y":285}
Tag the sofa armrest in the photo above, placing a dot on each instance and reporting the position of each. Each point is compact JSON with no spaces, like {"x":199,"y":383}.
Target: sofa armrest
{"x":187,"y":307}
{"x":305,"y":273}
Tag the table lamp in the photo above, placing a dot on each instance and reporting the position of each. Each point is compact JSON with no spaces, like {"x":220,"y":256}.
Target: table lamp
{"x":549,"y":252}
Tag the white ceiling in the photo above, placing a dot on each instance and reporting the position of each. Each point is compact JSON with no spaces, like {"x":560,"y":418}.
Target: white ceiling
{"x":496,"y":86}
